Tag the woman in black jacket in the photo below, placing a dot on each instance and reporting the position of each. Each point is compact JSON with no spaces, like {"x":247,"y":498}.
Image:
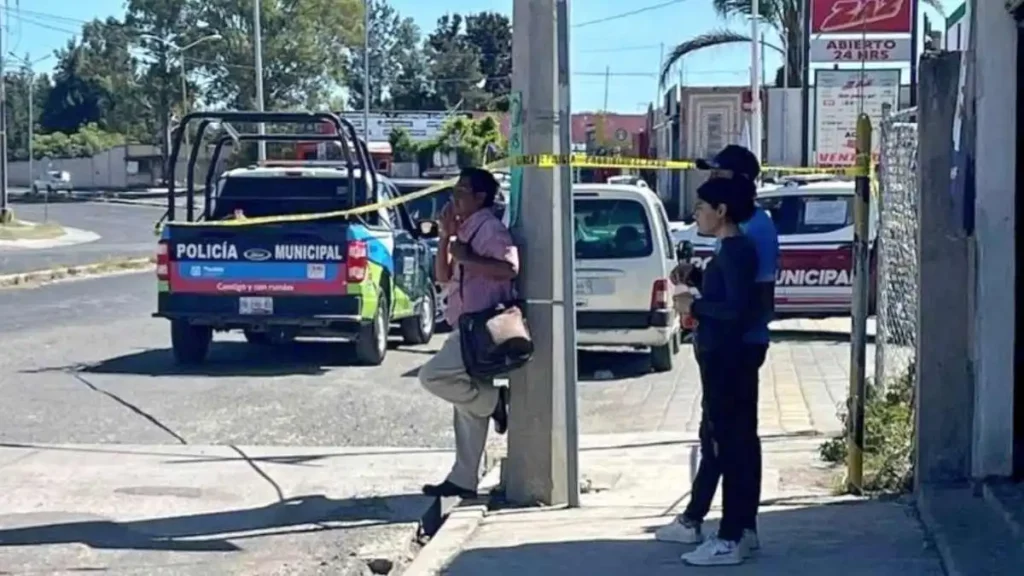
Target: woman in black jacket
{"x":725,"y":311}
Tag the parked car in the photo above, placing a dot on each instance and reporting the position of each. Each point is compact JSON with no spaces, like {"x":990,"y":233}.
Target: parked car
{"x":53,"y":181}
{"x":624,"y":257}
{"x":814,"y":219}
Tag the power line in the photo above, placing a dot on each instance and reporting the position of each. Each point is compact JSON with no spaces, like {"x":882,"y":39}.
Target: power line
{"x":628,"y":14}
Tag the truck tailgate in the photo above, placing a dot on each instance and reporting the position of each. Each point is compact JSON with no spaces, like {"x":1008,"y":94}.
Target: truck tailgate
{"x":287,"y":269}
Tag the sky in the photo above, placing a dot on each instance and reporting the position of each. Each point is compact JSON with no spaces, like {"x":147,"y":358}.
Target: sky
{"x":616,"y":47}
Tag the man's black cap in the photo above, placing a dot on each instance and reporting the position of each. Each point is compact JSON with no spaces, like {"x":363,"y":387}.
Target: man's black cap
{"x":735,"y":158}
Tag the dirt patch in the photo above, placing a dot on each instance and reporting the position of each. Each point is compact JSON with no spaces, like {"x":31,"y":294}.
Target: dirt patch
{"x":114,"y":266}
{"x":18,"y":230}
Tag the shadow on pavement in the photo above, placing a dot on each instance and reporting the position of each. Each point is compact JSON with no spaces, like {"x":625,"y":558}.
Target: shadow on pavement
{"x":861,"y":538}
{"x":593,"y":365}
{"x":814,"y":336}
{"x":217,"y":531}
{"x":228,"y":359}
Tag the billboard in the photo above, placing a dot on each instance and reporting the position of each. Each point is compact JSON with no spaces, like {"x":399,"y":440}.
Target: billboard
{"x":869,"y":16}
{"x":839,"y":97}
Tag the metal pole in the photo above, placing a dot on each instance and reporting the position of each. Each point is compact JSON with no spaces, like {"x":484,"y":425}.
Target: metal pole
{"x":366,"y":71}
{"x":861,"y":288}
{"x":31,"y":136}
{"x":6,"y":214}
{"x":258,"y":49}
{"x":755,"y":78}
{"x":184,"y":96}
{"x":805,"y":88}
{"x":572,"y":469}
{"x":913,"y":56}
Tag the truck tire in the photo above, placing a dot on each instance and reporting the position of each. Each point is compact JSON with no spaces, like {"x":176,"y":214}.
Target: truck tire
{"x":419,"y":329}
{"x":372,"y":342}
{"x":190,"y":344}
{"x":662,"y":358}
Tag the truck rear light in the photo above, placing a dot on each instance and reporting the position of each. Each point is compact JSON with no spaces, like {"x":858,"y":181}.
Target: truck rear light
{"x":661,"y":298}
{"x":162,"y":261}
{"x":356,"y":261}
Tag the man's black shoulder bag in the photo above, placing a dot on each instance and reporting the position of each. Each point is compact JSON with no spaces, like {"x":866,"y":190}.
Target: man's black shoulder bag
{"x":494,"y":341}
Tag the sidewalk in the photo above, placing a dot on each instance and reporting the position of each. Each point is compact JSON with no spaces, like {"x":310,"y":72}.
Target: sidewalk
{"x":638,"y":484}
{"x":209,"y":510}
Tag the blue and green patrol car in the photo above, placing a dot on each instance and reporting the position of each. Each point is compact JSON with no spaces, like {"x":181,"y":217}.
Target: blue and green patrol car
{"x":352,"y":277}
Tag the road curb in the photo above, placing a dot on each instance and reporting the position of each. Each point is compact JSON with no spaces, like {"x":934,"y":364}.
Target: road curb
{"x":457,"y":528}
{"x":96,"y":269}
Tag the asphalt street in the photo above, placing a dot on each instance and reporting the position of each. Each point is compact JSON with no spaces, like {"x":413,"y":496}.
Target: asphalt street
{"x":97,"y":421}
{"x":126,"y":231}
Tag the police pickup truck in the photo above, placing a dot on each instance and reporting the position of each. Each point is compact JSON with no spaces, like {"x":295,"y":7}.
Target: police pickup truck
{"x":349,"y":277}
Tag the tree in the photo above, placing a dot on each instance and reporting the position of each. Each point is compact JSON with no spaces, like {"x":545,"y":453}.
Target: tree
{"x":18,"y":119}
{"x":397,"y":67}
{"x":784,"y":17}
{"x":95,"y":80}
{"x":84,"y":143}
{"x":475,"y":141}
{"x":402,"y":146}
{"x":306,"y":45}
{"x":455,"y":65}
{"x":491,"y":34}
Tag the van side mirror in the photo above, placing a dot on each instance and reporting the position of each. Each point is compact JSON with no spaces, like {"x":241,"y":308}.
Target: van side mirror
{"x":684,"y":251}
{"x":428,"y":228}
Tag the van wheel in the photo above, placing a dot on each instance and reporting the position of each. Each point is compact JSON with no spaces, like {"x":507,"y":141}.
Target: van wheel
{"x":190,"y":344}
{"x":372,"y":342}
{"x":662,"y":358}
{"x":419,"y":329}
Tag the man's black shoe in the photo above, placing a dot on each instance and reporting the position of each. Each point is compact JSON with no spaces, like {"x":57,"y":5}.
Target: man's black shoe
{"x":446,"y":490}
{"x":500,"y":414}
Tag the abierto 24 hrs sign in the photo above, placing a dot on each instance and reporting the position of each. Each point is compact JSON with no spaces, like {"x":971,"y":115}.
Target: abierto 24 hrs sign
{"x":863,"y":49}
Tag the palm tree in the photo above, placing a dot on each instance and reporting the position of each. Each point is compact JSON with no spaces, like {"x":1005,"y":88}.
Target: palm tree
{"x":785,"y":17}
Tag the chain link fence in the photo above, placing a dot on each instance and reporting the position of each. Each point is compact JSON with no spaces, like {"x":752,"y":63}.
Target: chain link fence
{"x":897,"y":264}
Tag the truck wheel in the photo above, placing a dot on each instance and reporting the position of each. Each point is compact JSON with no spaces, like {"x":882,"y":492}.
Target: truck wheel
{"x":190,"y":344}
{"x":662,"y":358}
{"x":257,"y":338}
{"x":372,"y":342}
{"x":419,"y":329}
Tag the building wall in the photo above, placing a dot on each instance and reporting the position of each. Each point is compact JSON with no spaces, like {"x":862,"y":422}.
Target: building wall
{"x":995,"y":56}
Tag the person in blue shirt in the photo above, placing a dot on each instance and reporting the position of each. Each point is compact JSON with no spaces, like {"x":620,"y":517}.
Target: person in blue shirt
{"x":740,"y":168}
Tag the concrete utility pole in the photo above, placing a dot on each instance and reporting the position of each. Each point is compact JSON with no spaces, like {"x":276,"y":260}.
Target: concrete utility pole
{"x":755,"y":79}
{"x":541,"y":440}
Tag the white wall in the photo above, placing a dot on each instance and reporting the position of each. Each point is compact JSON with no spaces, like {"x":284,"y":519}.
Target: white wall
{"x":995,"y":55}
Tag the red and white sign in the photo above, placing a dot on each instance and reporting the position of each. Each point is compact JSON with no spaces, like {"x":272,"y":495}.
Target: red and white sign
{"x":847,"y":16}
{"x":839,"y":97}
{"x":841,"y":50}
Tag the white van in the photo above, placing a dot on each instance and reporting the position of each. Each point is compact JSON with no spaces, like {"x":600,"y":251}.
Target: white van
{"x":624,"y":257}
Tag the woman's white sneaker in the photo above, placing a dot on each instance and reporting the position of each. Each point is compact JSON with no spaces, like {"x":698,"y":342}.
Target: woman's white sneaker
{"x":750,"y":543}
{"x":715,"y":552}
{"x":681,"y":531}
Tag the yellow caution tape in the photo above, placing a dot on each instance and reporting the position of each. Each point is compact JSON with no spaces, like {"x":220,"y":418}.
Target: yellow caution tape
{"x":538,"y":160}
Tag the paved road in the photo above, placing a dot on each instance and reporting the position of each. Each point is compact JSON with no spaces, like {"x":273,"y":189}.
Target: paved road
{"x":125,"y":231}
{"x":83,"y":365}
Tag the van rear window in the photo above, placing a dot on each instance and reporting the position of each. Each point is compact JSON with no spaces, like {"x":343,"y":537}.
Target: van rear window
{"x":611,"y":229}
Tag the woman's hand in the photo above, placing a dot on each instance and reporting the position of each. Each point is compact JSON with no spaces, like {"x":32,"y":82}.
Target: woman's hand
{"x":448,"y":221}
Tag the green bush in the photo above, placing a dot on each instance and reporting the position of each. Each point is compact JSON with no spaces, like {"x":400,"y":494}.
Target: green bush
{"x":888,"y":435}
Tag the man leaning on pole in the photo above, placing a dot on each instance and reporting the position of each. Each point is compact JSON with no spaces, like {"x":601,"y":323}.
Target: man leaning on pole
{"x":739,"y":164}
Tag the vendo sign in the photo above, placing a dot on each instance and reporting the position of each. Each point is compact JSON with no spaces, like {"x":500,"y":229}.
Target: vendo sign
{"x":842,"y":50}
{"x":864,"y":16}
